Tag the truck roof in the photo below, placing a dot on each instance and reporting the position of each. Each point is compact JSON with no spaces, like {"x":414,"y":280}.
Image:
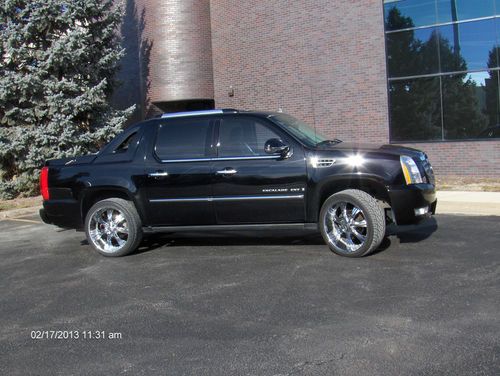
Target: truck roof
{"x":213,"y":112}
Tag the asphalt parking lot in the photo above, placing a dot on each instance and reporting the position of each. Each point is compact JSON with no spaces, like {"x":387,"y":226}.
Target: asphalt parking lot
{"x":428,"y":303}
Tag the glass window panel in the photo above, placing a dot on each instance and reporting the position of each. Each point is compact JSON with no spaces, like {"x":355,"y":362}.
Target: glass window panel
{"x":468,"y":46}
{"x":411,"y":53}
{"x":401,"y":14}
{"x":470,"y":105}
{"x":240,"y":137}
{"x":183,"y":139}
{"x":459,"y":10}
{"x":415,"y":109}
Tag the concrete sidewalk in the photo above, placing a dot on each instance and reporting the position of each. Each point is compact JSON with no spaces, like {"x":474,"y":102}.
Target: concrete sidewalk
{"x":468,"y":203}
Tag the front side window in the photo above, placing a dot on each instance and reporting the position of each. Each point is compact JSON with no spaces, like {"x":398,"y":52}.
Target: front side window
{"x":243,"y":137}
{"x":183,"y":139}
{"x":308,"y":135}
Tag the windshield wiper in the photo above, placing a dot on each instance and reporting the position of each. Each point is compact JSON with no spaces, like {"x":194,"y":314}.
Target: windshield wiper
{"x":335,"y":141}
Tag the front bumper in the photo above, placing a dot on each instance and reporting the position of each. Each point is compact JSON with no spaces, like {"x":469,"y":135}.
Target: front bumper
{"x":62,"y":213}
{"x":406,"y":199}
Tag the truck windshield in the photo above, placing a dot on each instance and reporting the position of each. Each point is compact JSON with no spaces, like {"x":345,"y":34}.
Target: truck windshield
{"x":299,"y":129}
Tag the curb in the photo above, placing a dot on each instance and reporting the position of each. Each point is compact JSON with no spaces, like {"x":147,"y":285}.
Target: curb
{"x":14,"y":213}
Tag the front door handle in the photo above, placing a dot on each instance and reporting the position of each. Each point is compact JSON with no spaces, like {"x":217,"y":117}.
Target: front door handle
{"x":227,"y":171}
{"x":158,"y":174}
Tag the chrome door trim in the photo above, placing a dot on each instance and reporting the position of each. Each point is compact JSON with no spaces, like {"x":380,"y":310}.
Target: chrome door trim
{"x":228,"y":198}
{"x":158,"y":174}
{"x":246,"y":198}
{"x":256,"y":157}
{"x":186,"y":160}
{"x":193,"y":199}
{"x":231,"y":171}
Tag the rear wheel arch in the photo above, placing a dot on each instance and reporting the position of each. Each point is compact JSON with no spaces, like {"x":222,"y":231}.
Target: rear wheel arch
{"x":113,"y":227}
{"x":92,"y":196}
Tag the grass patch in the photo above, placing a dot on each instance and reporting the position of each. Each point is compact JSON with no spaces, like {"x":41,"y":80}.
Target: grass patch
{"x":468,"y":184}
{"x":20,"y":203}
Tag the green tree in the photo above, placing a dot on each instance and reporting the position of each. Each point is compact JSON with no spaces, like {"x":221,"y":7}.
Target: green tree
{"x":58,"y":60}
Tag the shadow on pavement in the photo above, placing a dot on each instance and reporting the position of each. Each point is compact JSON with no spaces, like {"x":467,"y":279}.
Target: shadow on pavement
{"x":414,"y":233}
{"x":226,"y":238}
{"x":405,"y":234}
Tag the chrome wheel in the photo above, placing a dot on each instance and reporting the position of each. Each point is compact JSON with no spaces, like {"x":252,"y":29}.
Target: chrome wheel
{"x":346,"y":227}
{"x":108,"y":230}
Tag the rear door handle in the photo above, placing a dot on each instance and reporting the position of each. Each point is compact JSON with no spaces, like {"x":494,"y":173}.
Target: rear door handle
{"x":227,"y":171}
{"x":158,"y":174}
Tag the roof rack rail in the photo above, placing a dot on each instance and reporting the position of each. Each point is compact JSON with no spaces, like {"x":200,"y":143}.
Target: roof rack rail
{"x":198,"y":113}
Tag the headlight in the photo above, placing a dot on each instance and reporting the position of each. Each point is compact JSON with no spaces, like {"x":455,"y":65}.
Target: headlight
{"x":410,"y":170}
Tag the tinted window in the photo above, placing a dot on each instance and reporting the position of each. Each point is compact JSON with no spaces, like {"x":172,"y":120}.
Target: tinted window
{"x":304,"y":132}
{"x":415,"y":109}
{"x":412,"y":52}
{"x":468,"y":46}
{"x":243,"y":137}
{"x":183,"y":139}
{"x":411,"y":13}
{"x":459,"y":10}
{"x":442,"y":58}
{"x":470,"y":105}
{"x":128,"y":143}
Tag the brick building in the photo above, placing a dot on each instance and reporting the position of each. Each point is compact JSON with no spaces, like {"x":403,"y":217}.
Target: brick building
{"x":422,"y":73}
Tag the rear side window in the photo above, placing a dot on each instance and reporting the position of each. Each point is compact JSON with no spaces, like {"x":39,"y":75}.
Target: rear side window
{"x":184,"y":139}
{"x":128,"y":143}
{"x":243,"y":137}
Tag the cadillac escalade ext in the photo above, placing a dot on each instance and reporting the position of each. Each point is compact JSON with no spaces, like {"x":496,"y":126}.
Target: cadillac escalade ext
{"x":236,"y":170}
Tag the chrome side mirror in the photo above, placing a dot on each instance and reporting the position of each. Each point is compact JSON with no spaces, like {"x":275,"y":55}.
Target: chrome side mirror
{"x":276,"y":146}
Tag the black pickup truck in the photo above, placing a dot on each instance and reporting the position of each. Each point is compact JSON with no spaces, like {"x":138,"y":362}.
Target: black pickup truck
{"x":236,"y":170}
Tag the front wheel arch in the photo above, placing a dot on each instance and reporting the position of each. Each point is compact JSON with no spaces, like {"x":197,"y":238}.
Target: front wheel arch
{"x":372,"y":186}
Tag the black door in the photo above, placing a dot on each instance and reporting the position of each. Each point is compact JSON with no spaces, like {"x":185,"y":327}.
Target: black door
{"x":179,"y":173}
{"x":251,"y":186}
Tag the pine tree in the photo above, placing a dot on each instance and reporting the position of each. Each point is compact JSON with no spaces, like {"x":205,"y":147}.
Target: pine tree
{"x":58,"y":60}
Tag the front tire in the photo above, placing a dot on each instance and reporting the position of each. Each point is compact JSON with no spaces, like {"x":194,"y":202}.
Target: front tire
{"x":113,"y":227}
{"x":352,"y":223}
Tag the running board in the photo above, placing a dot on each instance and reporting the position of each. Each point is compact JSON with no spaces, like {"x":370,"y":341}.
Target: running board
{"x":246,"y":227}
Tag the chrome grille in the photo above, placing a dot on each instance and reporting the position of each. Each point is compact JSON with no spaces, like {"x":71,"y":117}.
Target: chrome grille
{"x":325,"y":162}
{"x":429,"y":172}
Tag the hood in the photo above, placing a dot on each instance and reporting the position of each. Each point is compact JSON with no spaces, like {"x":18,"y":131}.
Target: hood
{"x":374,"y":148}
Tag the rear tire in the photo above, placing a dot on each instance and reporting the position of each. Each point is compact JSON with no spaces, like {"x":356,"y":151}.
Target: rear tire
{"x":352,"y":223}
{"x":113,"y":227}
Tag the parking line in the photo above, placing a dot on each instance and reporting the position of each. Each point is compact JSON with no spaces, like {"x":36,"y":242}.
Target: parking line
{"x":22,"y":220}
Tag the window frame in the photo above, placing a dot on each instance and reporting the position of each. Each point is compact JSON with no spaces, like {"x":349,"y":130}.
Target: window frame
{"x":209,"y":146}
{"x":262,"y":120}
{"x":440,"y":74}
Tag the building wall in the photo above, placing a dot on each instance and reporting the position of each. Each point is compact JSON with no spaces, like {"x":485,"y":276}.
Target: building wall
{"x":324,"y":62}
{"x":176,"y":52}
{"x":464,"y":159}
{"x":320,"y":60}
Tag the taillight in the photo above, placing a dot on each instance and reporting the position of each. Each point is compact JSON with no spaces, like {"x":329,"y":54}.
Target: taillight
{"x":44,"y":183}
